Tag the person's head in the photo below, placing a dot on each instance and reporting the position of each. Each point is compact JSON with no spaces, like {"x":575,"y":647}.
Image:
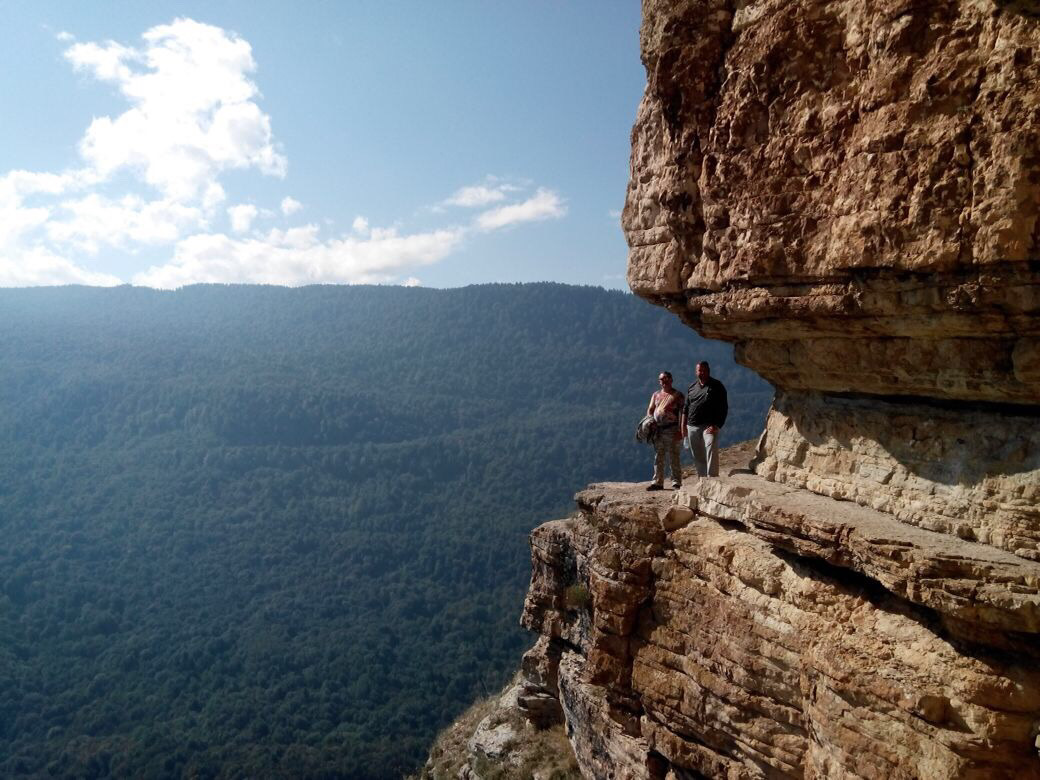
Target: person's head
{"x":703,"y":371}
{"x":665,"y":378}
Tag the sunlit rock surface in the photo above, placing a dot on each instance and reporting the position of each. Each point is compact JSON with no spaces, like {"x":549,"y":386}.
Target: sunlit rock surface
{"x":847,"y":190}
{"x":849,"y":193}
{"x":780,"y":633}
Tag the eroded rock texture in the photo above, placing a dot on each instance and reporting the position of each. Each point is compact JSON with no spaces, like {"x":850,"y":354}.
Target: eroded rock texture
{"x":849,"y":192}
{"x":746,"y":629}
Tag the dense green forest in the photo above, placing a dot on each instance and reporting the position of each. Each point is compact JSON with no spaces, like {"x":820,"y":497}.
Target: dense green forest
{"x":259,"y":532}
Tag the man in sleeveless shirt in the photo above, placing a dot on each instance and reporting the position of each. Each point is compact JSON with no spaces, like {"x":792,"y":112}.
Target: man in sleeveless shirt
{"x":666,"y":405}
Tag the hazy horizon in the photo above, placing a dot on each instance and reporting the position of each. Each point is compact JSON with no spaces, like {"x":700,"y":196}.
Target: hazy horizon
{"x":364,"y":143}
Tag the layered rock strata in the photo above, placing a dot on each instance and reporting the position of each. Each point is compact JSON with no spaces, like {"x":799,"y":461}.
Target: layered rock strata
{"x":849,"y":192}
{"x":968,"y":471}
{"x":745,"y":629}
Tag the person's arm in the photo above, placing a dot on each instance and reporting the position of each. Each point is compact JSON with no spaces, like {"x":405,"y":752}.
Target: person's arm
{"x":682,"y":417}
{"x":650,"y":406}
{"x":720,"y":407}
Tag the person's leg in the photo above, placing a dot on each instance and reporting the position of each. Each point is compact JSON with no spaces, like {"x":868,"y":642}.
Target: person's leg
{"x":676,"y":465}
{"x":695,"y":435}
{"x":659,"y":446}
{"x":711,"y":444}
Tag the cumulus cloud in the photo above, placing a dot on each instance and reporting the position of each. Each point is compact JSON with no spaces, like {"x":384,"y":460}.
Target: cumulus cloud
{"x":18,"y":217}
{"x":94,"y":221}
{"x":242,"y":217}
{"x":479,"y":195}
{"x":19,"y":184}
{"x":192,"y":112}
{"x":297,"y":256}
{"x":544,"y":204}
{"x":151,"y":177}
{"x":411,"y":281}
{"x":17,"y":220}
{"x":39,"y":266}
{"x":192,"y":115}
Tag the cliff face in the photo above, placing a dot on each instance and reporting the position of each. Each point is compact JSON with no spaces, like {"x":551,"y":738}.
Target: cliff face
{"x":849,"y":192}
{"x":754,"y":630}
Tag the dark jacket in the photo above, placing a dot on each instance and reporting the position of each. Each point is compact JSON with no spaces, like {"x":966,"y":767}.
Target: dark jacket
{"x":706,"y":405}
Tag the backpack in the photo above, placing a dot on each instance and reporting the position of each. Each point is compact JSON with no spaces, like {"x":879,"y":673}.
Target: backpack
{"x":646,"y":430}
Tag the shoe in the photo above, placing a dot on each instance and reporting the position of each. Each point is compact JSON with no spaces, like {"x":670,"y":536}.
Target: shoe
{"x":654,"y":486}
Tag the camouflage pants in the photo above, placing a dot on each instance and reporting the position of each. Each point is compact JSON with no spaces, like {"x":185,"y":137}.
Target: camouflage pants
{"x":666,"y":443}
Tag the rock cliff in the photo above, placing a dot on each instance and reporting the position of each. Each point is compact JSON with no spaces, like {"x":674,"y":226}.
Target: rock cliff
{"x":847,"y":191}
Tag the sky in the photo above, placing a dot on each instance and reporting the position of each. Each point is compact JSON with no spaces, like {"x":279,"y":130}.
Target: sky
{"x":421,"y":143}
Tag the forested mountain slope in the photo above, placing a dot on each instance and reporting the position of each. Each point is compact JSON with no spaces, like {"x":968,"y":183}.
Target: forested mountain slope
{"x":250,"y":531}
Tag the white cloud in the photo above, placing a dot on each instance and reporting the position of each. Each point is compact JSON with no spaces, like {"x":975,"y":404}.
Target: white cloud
{"x":297,"y":256}
{"x":411,"y":281}
{"x":544,"y":204}
{"x":192,"y":113}
{"x":93,"y":221}
{"x":213,"y":195}
{"x":17,"y":184}
{"x":479,"y":195}
{"x":151,"y":177}
{"x":242,"y":217}
{"x":39,"y":266}
{"x":19,"y":220}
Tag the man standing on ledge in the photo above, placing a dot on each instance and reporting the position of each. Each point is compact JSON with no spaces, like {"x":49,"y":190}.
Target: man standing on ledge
{"x":666,"y":406}
{"x":703,"y":415}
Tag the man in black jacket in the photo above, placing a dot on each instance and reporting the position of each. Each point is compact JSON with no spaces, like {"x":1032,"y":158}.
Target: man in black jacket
{"x":703,"y":415}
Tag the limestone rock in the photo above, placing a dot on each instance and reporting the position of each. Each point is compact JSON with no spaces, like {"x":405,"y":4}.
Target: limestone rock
{"x":538,"y":693}
{"x":495,"y":735}
{"x":786,"y":634}
{"x":971,"y":473}
{"x":848,"y":190}
{"x":965,"y":582}
{"x":494,"y":739}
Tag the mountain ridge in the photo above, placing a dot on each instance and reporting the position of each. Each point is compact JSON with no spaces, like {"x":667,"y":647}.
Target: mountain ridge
{"x":236,"y":520}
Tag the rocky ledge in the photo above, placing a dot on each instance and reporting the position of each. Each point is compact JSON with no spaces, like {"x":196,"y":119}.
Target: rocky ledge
{"x":849,"y":193}
{"x":739,"y":628}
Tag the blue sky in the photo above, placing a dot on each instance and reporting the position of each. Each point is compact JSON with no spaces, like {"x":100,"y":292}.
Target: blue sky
{"x":440,"y":143}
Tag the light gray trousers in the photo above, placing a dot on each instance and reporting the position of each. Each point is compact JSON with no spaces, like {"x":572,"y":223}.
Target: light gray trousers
{"x":705,"y":449}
